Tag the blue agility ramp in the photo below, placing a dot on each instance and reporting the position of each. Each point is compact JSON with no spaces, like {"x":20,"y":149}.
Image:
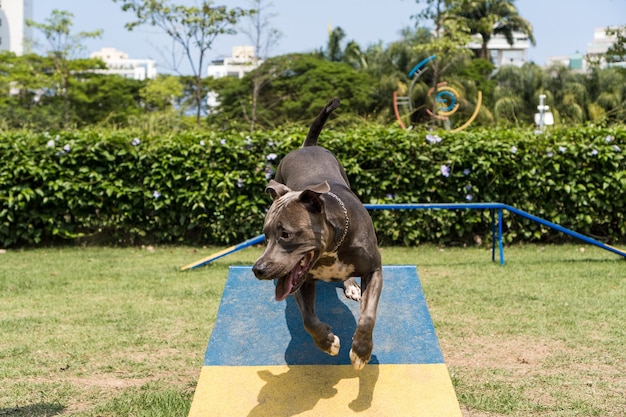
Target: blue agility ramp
{"x":261,"y":362}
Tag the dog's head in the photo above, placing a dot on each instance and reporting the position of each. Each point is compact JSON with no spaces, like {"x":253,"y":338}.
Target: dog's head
{"x":296,"y":234}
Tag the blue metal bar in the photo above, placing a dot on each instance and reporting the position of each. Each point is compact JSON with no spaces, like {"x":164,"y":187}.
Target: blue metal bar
{"x":499,"y":207}
{"x":500,"y":236}
{"x":565,"y":230}
{"x":455,"y":206}
{"x":493,"y":235}
{"x":442,"y":206}
{"x":227,"y":251}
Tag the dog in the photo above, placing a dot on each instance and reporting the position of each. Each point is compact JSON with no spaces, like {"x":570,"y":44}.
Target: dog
{"x":318,"y":229}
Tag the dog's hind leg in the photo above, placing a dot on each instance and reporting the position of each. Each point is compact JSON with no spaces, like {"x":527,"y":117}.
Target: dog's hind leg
{"x":320,"y":332}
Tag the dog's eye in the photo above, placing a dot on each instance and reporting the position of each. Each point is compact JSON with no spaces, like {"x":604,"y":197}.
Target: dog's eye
{"x":284,"y":234}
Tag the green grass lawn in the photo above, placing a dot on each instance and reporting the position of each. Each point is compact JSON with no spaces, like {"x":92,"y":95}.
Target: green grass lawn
{"x":121,"y":332}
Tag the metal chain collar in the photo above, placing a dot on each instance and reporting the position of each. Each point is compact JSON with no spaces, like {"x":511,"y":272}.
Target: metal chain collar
{"x":345,"y":212}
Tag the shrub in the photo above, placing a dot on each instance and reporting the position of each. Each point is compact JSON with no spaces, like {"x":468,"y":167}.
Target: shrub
{"x":207,"y":188}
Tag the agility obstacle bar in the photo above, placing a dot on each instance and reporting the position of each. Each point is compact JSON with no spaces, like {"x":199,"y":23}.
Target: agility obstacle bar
{"x":496,"y":210}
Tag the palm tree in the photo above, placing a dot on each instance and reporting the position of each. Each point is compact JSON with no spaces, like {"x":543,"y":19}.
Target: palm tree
{"x":336,"y":52}
{"x":517,"y":91}
{"x":493,"y":17}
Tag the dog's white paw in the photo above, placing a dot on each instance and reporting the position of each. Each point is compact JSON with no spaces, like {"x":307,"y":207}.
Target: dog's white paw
{"x":352,"y":290}
{"x":334,"y":348}
{"x":357,"y":362}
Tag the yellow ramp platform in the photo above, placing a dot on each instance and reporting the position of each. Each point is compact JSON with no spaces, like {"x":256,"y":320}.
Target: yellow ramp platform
{"x":261,"y":362}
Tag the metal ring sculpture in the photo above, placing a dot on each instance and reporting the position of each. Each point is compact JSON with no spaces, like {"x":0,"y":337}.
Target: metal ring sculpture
{"x":446,"y":98}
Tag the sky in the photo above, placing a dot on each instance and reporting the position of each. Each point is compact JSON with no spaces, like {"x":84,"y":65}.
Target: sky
{"x":561,"y":27}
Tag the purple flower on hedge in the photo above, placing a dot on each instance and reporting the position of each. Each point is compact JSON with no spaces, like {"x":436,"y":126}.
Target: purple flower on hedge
{"x":239,"y":183}
{"x":433,"y":139}
{"x":67,"y":148}
{"x":562,"y":149}
{"x":223,"y":141}
{"x":616,"y":148}
{"x":156,"y":194}
{"x":445,"y":170}
{"x":609,"y":138}
{"x":513,"y":149}
{"x":469,"y":197}
{"x":594,"y":152}
{"x":202,"y":142}
{"x":271,"y":157}
{"x":466,"y":171}
{"x":468,"y":187}
{"x":550,"y":154}
{"x":269,"y":172}
{"x":51,"y":143}
{"x":135,"y":142}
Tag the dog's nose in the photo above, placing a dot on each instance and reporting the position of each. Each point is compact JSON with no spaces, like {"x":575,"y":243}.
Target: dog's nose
{"x":259,"y":269}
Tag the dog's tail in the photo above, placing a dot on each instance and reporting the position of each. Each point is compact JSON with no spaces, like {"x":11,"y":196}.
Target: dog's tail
{"x":318,"y":123}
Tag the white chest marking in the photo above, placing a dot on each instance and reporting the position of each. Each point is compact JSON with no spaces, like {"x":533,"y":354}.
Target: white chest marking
{"x":327,"y":271}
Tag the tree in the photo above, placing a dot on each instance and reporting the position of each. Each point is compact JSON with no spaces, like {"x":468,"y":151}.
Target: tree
{"x":63,"y":46}
{"x":159,"y":94}
{"x":517,"y":92}
{"x":336,"y":52}
{"x":450,"y":35}
{"x":617,"y":51}
{"x":492,"y":17}
{"x":609,"y":93}
{"x":194,"y":29}
{"x":106,"y":98}
{"x":391,"y":67}
{"x":299,"y":85}
{"x":22,"y":78}
{"x":264,"y":37}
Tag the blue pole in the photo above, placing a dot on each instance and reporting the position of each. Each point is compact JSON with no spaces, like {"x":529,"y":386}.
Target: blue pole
{"x":500,"y":236}
{"x":493,"y":235}
{"x":227,"y":251}
{"x":565,"y":230}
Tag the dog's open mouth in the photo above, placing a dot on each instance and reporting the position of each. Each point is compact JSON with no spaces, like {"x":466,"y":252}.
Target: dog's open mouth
{"x":290,"y":283}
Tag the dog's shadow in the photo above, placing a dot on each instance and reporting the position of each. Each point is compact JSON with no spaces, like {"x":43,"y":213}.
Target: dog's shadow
{"x":302,"y":387}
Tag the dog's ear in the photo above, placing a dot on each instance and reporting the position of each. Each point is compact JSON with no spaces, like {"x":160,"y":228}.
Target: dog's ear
{"x":276,"y":189}
{"x":311,"y":197}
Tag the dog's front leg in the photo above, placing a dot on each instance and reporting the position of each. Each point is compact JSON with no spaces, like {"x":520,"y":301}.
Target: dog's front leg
{"x":362,"y":344}
{"x":320,"y":332}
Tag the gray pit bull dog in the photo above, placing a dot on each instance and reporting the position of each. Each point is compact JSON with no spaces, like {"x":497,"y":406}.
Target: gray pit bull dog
{"x":317,"y":229}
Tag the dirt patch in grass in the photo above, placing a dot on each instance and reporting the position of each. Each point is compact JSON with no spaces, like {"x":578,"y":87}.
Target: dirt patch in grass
{"x":545,"y":376}
{"x":517,"y":354}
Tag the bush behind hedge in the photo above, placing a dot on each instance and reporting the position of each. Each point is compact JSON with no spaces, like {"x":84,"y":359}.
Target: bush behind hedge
{"x":207,"y":187}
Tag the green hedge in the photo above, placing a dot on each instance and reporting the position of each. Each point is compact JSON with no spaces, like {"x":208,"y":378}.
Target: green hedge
{"x":207,"y":188}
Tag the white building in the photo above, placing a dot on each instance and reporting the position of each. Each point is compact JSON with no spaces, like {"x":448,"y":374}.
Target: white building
{"x":117,"y":62}
{"x":242,"y":61}
{"x":599,"y":45}
{"x":596,"y":49}
{"x":501,"y":53}
{"x":14,"y":34}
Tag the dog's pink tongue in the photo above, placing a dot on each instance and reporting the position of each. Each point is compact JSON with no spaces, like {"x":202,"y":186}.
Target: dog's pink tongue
{"x":283,"y":287}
